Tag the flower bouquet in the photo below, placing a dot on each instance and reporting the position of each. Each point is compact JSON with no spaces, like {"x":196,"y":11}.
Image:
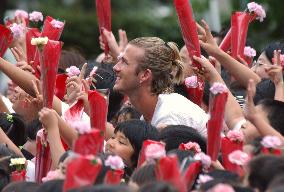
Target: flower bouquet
{"x":232,"y":142}
{"x":195,"y":88}
{"x":217,"y":104}
{"x":20,"y":173}
{"x":89,"y":142}
{"x":98,"y":112}
{"x":167,"y":169}
{"x":82,"y":171}
{"x":114,"y":175}
{"x":6,"y":38}
{"x":151,"y":147}
{"x":104,"y":18}
{"x":188,"y":28}
{"x":43,"y":157}
{"x":256,"y":12}
{"x":271,"y":145}
{"x":249,"y":54}
{"x":239,"y":28}
{"x":52,"y":28}
{"x":190,"y":174}
{"x":32,"y":53}
{"x":240,"y":159}
{"x":190,"y":146}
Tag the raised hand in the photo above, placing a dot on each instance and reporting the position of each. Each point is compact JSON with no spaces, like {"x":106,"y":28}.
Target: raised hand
{"x":249,"y":109}
{"x":123,"y":41}
{"x":113,"y":46}
{"x":49,"y":119}
{"x":275,"y":71}
{"x":206,"y":40}
{"x":18,"y":54}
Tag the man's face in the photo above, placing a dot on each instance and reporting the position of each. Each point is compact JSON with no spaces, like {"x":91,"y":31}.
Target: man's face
{"x":127,"y":79}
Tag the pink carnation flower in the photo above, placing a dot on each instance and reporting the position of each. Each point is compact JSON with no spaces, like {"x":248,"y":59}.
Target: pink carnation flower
{"x":191,"y":82}
{"x":115,"y":162}
{"x":221,"y":188}
{"x":21,"y":14}
{"x":57,"y":24}
{"x":35,"y":16}
{"x":205,"y":159}
{"x":81,"y":126}
{"x":238,"y":157}
{"x":51,"y":175}
{"x":236,"y":135}
{"x":154,"y":151}
{"x":281,"y":60}
{"x":218,"y":88}
{"x":257,"y":9}
{"x":249,"y":52}
{"x":73,"y":71}
{"x":17,"y":30}
{"x":271,"y":142}
{"x":192,"y":146}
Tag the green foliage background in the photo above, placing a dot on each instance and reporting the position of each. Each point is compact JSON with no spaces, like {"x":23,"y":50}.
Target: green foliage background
{"x":138,"y":18}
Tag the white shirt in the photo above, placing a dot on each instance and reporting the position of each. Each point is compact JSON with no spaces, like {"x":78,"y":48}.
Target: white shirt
{"x":175,"y":109}
{"x":8,"y":104}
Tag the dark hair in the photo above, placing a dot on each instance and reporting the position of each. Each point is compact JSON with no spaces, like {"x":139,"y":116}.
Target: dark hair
{"x":157,"y":187}
{"x":225,"y":176}
{"x":105,"y":79}
{"x":14,"y":126}
{"x":51,"y":186}
{"x":102,"y":188}
{"x":5,"y":169}
{"x":264,"y":90}
{"x":174,"y":135}
{"x":181,"y":155}
{"x":137,"y":131}
{"x":277,"y":182}
{"x":22,"y":186}
{"x":70,"y":58}
{"x":144,"y":174}
{"x":133,"y":113}
{"x":32,"y":129}
{"x":264,"y":169}
{"x":269,"y":49}
{"x":275,"y":113}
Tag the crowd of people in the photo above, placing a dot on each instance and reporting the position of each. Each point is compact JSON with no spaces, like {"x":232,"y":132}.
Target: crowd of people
{"x":162,"y":104}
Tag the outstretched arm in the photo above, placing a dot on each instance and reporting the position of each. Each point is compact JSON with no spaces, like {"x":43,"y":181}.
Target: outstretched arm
{"x":234,"y":67}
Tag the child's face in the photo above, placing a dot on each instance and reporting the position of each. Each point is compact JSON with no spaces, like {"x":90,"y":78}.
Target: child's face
{"x":119,"y":145}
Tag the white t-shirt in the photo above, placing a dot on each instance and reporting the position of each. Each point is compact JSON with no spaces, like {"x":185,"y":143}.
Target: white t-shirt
{"x":175,"y":109}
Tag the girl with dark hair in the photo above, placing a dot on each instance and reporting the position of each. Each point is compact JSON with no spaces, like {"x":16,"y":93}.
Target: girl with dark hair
{"x":14,"y":127}
{"x":266,"y":57}
{"x":128,"y":139}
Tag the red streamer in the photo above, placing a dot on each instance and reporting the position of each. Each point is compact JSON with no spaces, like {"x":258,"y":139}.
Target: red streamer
{"x":43,"y":157}
{"x":191,"y":173}
{"x":60,"y":85}
{"x":81,"y":172}
{"x":227,"y":147}
{"x":89,"y":143}
{"x":113,"y":177}
{"x":104,"y":18}
{"x":167,"y":169}
{"x":18,"y":176}
{"x":215,"y":124}
{"x":239,"y":23}
{"x":98,"y":110}
{"x":49,"y":31}
{"x":49,"y":64}
{"x":188,"y":28}
{"x":6,"y":38}
{"x":146,"y":143}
